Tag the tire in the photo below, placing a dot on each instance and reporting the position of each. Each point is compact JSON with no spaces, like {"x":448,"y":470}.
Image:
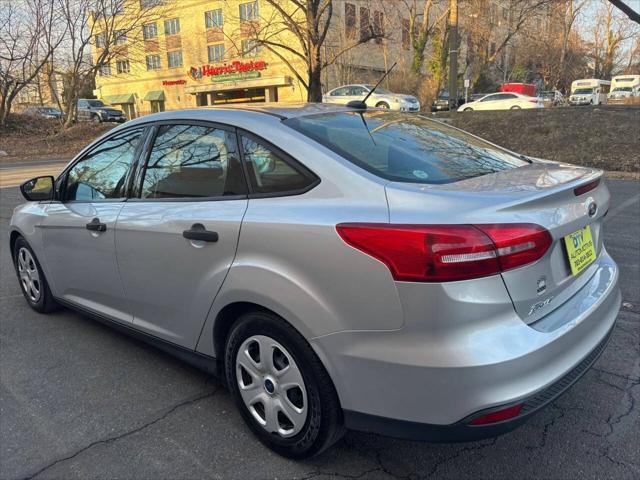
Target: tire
{"x":516,"y":107}
{"x":468,"y":109}
{"x":314,"y":419}
{"x":33,"y":284}
{"x":382,"y":105}
{"x":96,"y":119}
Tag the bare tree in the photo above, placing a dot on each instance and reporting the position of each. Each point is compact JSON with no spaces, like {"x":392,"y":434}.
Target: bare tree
{"x":489,"y":32}
{"x":607,"y":37}
{"x":98,"y":33}
{"x":633,"y":15}
{"x":307,"y":23}
{"x":27,"y":41}
{"x":425,"y":17}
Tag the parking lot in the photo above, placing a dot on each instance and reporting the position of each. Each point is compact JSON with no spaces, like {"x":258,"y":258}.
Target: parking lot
{"x":79,"y":400}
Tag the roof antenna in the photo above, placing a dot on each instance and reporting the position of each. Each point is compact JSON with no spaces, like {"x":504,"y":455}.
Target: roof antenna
{"x":362,"y":104}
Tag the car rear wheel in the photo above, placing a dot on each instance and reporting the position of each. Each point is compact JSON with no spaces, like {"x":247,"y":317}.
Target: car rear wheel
{"x":33,"y":283}
{"x":96,"y":119}
{"x":516,"y":107}
{"x":280,"y":386}
{"x":382,"y":105}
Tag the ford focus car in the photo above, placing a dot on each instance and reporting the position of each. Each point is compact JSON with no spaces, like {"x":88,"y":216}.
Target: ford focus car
{"x":339,"y":268}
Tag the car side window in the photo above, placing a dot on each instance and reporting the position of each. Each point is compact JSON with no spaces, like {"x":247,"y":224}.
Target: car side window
{"x":490,"y":98}
{"x":358,"y":90}
{"x":193,"y":161}
{"x":508,"y":96}
{"x":100,"y":175}
{"x":339,"y":92}
{"x":269,"y":172}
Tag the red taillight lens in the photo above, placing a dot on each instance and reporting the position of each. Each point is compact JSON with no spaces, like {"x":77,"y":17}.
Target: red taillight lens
{"x":587,"y":187}
{"x":442,"y":253}
{"x":498,"y":416}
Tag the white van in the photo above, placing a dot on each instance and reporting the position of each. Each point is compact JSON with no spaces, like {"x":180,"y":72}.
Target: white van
{"x":623,"y":86}
{"x":589,"y":91}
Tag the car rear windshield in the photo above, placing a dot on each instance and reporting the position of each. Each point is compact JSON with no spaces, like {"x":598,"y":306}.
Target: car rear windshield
{"x":403,"y":147}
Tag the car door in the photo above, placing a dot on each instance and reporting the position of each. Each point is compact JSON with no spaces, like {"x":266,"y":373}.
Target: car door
{"x":489,"y":102}
{"x":338,"y":96}
{"x":177,"y":238}
{"x":78,"y":230}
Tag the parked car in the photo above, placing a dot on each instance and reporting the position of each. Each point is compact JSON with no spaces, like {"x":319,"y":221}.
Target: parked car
{"x":45,"y":112}
{"x":341,"y":268}
{"x":441,"y":103}
{"x":380,"y":98}
{"x":502,"y":101}
{"x":97,"y":111}
{"x":552,"y":98}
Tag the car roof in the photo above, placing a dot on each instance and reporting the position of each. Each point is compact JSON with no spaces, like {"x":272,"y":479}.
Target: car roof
{"x":281,"y":111}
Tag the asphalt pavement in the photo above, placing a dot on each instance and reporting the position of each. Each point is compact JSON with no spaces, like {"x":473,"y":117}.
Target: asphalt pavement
{"x":80,"y":400}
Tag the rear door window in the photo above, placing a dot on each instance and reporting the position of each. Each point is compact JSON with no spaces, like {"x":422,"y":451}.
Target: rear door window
{"x":193,"y":161}
{"x":405,"y":148}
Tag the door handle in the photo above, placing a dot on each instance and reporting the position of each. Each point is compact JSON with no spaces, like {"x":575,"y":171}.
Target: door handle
{"x":96,"y":226}
{"x":198,"y":232}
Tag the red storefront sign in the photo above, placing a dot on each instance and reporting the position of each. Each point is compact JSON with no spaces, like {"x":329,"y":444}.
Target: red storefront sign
{"x":168,"y":83}
{"x":227,"y":68}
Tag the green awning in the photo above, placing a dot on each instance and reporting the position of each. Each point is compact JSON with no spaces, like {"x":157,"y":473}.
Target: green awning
{"x":154,"y":96}
{"x":119,"y":99}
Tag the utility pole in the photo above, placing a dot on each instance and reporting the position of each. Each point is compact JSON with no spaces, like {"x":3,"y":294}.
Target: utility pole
{"x":453,"y":54}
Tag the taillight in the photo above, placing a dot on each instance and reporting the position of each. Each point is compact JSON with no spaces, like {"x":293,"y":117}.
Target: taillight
{"x":587,"y":187}
{"x":443,"y":253}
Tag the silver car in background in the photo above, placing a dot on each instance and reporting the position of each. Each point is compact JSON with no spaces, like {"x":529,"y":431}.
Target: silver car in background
{"x":380,"y":98}
{"x":338,"y":268}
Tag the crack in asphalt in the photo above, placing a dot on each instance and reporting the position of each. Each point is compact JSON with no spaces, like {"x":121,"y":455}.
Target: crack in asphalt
{"x":115,"y":438}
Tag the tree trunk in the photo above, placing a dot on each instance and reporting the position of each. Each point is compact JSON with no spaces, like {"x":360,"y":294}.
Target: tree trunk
{"x":314,"y":93}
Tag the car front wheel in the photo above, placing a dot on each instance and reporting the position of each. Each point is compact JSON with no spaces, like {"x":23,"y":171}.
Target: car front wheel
{"x":96,"y":119}
{"x":516,"y":107}
{"x":468,"y":109}
{"x":33,"y":283}
{"x":280,"y":386}
{"x":382,"y":105}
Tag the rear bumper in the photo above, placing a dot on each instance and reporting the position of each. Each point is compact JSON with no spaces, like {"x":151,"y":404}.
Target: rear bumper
{"x":464,"y":432}
{"x":463,"y":351}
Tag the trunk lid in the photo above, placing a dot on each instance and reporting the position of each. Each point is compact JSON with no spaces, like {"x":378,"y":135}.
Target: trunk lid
{"x":541,"y":193}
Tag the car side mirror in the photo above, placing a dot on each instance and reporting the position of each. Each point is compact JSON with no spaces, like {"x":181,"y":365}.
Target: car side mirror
{"x":38,"y":189}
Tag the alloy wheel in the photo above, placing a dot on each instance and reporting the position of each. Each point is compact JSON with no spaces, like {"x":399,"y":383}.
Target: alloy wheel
{"x":29,"y":276}
{"x":271,"y":386}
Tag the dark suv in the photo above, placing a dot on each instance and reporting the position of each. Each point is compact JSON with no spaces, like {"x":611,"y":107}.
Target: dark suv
{"x":96,"y":111}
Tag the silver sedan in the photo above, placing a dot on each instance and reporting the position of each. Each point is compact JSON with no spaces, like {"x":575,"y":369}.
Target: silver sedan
{"x":339,"y":268}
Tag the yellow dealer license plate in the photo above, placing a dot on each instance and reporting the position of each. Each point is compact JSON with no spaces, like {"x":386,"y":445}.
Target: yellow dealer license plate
{"x":581,"y":249}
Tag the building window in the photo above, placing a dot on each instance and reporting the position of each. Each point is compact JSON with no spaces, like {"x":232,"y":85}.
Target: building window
{"x":350,"y":20}
{"x":123,"y":66}
{"x":214,"y":19}
{"x":406,"y":37}
{"x":250,"y":48}
{"x":249,"y":11}
{"x":150,"y":31}
{"x":172,"y":26}
{"x":101,"y":40}
{"x":153,"y":62}
{"x":378,"y":25}
{"x":174,"y":59}
{"x":120,"y":37}
{"x":365,"y":24}
{"x":105,"y":70}
{"x":216,"y":52}
{"x":150,"y":3}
